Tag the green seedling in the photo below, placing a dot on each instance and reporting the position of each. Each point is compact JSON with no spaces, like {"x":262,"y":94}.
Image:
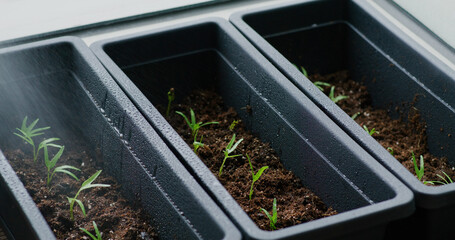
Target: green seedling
{"x":273,"y":218}
{"x":255,"y":176}
{"x":170,"y":99}
{"x":232,"y":126}
{"x":97,"y":232}
{"x":229,"y":149}
{"x":50,"y":164}
{"x":445,"y":179}
{"x":419,"y":170}
{"x":355,"y":115}
{"x":302,"y":69}
{"x":87,"y":184}
{"x":390,"y":150}
{"x":27,"y":133}
{"x":193,"y":125}
{"x":196,"y":144}
{"x":338,"y":98}
{"x":371,"y":132}
{"x":321,"y":85}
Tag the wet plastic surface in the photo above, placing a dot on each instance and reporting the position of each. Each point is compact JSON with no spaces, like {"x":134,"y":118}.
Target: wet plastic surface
{"x":61,"y":82}
{"x":327,"y":36}
{"x":212,"y":53}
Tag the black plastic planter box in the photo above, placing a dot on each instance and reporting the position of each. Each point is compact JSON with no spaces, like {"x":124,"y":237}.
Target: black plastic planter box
{"x":212,"y":53}
{"x":328,"y":36}
{"x":61,"y":82}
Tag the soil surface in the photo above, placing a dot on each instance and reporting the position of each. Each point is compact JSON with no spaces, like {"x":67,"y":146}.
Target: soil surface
{"x":295,"y":203}
{"x":401,"y":137}
{"x":115,"y":217}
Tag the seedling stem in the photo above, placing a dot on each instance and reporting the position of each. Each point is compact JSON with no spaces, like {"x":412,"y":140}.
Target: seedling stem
{"x":229,"y":149}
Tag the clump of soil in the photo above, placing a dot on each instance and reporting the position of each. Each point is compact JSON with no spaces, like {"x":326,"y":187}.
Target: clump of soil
{"x":403,"y":137}
{"x":295,"y":203}
{"x":115,"y":217}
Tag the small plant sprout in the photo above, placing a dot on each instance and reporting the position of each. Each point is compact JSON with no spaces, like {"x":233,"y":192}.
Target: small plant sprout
{"x":229,"y":149}
{"x":355,"y":115}
{"x":419,"y":170}
{"x":321,"y":85}
{"x":390,"y":150}
{"x":170,"y":99}
{"x":445,"y":179}
{"x":27,"y":132}
{"x":232,"y":126}
{"x":338,"y":98}
{"x":197,"y":144}
{"x":193,"y":125}
{"x":97,"y":232}
{"x":273,"y":218}
{"x":87,"y":184}
{"x":371,"y":132}
{"x":50,"y":164}
{"x":255,"y":176}
{"x":302,"y":69}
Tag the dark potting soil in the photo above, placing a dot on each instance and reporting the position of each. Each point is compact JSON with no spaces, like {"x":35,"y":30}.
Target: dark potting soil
{"x":403,"y":137}
{"x":115,"y":217}
{"x":2,"y":234}
{"x":295,"y":203}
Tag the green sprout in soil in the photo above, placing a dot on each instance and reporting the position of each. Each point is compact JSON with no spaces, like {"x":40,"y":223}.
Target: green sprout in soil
{"x":255,"y":176}
{"x":390,"y":150}
{"x":229,"y":149}
{"x":170,"y":99}
{"x":87,"y":184}
{"x":445,"y":179}
{"x":355,"y":115}
{"x":338,"y":98}
{"x":50,"y":164}
{"x":419,"y":170}
{"x":232,"y":126}
{"x":193,"y":125}
{"x":273,"y":218}
{"x":197,"y":144}
{"x":321,"y":85}
{"x":27,"y":132}
{"x":371,"y":132}
{"x":302,"y":69}
{"x":97,"y":232}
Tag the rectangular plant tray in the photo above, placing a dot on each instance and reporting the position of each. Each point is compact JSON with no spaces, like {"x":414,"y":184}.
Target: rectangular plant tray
{"x":212,"y":53}
{"x":61,"y":82}
{"x":328,"y":36}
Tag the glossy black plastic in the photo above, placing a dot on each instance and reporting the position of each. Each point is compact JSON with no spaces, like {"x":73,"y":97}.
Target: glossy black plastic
{"x":212,"y":54}
{"x":62,"y":83}
{"x":328,"y":36}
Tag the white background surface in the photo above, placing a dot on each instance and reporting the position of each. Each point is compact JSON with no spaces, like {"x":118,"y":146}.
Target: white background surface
{"x":437,"y":15}
{"x":20,"y":18}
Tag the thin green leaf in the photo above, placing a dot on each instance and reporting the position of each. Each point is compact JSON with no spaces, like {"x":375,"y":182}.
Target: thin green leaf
{"x":40,"y":129}
{"x":99,"y":185}
{"x":62,"y":169}
{"x":31,"y":126}
{"x":193,"y":116}
{"x":208,"y":123}
{"x":24,"y":123}
{"x":231,"y":142}
{"x":88,"y":233}
{"x":92,"y":178}
{"x":186,"y":119}
{"x":259,"y":173}
{"x":236,"y":145}
{"x":55,"y":158}
{"x":81,"y":205}
{"x":267,"y":213}
{"x":98,"y":234}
